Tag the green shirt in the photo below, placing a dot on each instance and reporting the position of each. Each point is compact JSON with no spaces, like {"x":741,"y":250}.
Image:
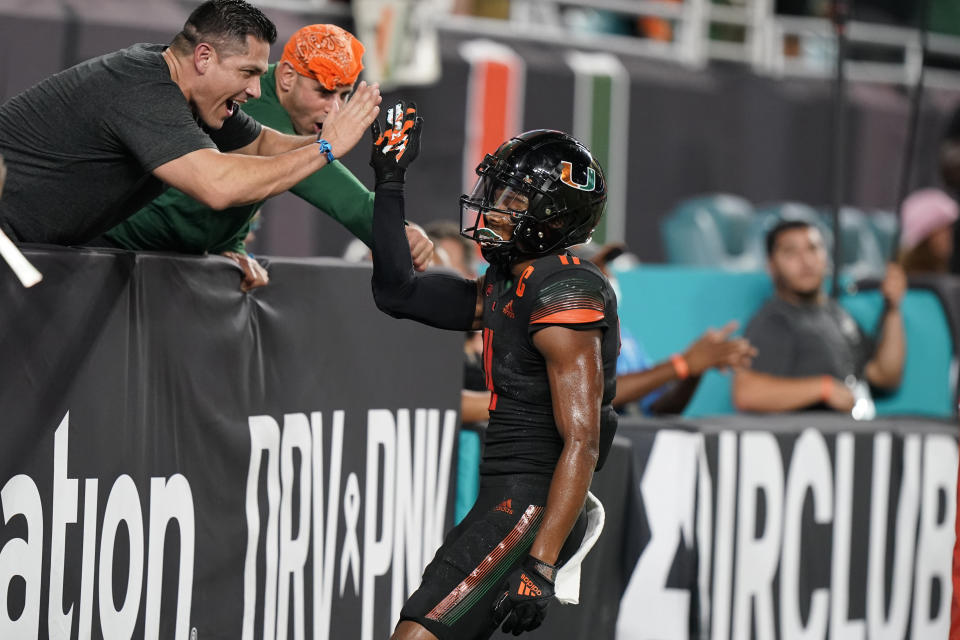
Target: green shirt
{"x":177,"y":222}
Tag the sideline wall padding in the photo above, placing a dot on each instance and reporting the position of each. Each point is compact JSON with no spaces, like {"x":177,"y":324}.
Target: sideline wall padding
{"x":810,"y":524}
{"x":178,"y":455}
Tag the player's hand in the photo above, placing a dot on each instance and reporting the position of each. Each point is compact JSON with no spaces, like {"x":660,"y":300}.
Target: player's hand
{"x":398,"y":144}
{"x":522,"y":605}
{"x":421,"y":246}
{"x":715,"y":349}
{"x":254,"y":275}
{"x":343,"y":128}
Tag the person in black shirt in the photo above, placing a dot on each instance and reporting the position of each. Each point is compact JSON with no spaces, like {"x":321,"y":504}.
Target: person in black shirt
{"x":550,"y":332}
{"x":810,"y":352}
{"x":91,"y":145}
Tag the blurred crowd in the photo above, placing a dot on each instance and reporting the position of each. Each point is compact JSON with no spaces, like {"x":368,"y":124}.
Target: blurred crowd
{"x":944,"y":15}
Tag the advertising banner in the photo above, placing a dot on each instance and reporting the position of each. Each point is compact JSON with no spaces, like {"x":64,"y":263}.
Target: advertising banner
{"x":184,"y":460}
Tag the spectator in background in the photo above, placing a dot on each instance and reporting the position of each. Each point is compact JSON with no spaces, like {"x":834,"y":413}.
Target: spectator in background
{"x":88,"y":147}
{"x":451,"y":249}
{"x":810,"y":352}
{"x":313,"y":79}
{"x":926,"y":236}
{"x":665,"y":387}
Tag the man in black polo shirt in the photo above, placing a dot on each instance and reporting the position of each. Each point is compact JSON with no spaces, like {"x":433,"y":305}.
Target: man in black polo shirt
{"x":809,"y":350}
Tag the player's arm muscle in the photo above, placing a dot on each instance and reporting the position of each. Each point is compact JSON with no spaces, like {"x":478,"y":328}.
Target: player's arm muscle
{"x":575,"y":372}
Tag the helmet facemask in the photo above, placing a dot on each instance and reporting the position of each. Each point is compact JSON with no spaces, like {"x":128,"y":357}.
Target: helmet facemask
{"x":491,"y":214}
{"x":499,"y":214}
{"x":538,"y":194}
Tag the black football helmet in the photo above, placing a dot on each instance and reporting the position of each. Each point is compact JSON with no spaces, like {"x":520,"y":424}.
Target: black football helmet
{"x":546,"y":185}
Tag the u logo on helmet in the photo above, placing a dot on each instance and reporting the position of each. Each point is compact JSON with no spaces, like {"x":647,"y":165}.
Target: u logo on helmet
{"x":566,"y":177}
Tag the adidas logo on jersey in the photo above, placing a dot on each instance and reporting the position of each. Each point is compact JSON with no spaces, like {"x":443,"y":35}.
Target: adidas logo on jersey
{"x":527,"y":587}
{"x":508,"y":310}
{"x":506,"y":506}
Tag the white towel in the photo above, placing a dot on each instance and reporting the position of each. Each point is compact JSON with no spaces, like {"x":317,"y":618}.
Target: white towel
{"x":567,"y":585}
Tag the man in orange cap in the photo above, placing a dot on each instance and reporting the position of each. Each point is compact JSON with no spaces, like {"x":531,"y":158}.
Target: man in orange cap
{"x":314,"y":77}
{"x":319,"y":66}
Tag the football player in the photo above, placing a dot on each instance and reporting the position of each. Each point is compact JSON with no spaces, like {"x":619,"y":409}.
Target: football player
{"x":550,"y":334}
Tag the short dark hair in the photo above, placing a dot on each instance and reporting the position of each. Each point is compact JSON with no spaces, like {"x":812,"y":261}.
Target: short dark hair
{"x":445,"y":230}
{"x":225,"y":24}
{"x":449,"y":230}
{"x":782,"y":227}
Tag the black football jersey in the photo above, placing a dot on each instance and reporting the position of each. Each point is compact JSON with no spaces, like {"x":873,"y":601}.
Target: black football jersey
{"x":563,"y":290}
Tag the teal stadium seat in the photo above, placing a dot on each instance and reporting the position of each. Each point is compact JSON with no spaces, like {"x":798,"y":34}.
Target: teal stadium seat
{"x":468,"y":472}
{"x":862,"y":256}
{"x":884,"y":225}
{"x":725,"y":231}
{"x":667,"y":307}
{"x":929,"y":380}
{"x":709,"y":231}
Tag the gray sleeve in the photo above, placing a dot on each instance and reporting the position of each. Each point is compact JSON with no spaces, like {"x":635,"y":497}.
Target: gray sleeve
{"x":154,"y":123}
{"x":237,"y":131}
{"x":770,"y":333}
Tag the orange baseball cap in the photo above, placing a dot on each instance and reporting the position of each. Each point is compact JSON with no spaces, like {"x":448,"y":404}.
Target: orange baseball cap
{"x":325,"y":52}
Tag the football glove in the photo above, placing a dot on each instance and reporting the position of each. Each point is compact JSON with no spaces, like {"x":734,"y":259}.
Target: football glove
{"x":528,"y":591}
{"x":398,"y":145}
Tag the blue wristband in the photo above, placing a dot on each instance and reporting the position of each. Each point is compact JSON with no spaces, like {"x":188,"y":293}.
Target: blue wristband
{"x":326,"y":150}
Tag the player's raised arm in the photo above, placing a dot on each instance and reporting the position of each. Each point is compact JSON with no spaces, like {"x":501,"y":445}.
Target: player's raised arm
{"x":442,"y":300}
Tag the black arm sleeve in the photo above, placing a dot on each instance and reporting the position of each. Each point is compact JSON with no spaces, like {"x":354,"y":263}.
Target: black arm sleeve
{"x":441,"y":300}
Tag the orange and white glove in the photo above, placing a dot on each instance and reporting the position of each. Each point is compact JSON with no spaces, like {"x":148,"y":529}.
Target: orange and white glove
{"x":398,"y":145}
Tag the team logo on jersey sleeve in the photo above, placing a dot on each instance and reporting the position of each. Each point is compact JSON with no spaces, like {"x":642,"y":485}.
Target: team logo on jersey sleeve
{"x":566,"y":177}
